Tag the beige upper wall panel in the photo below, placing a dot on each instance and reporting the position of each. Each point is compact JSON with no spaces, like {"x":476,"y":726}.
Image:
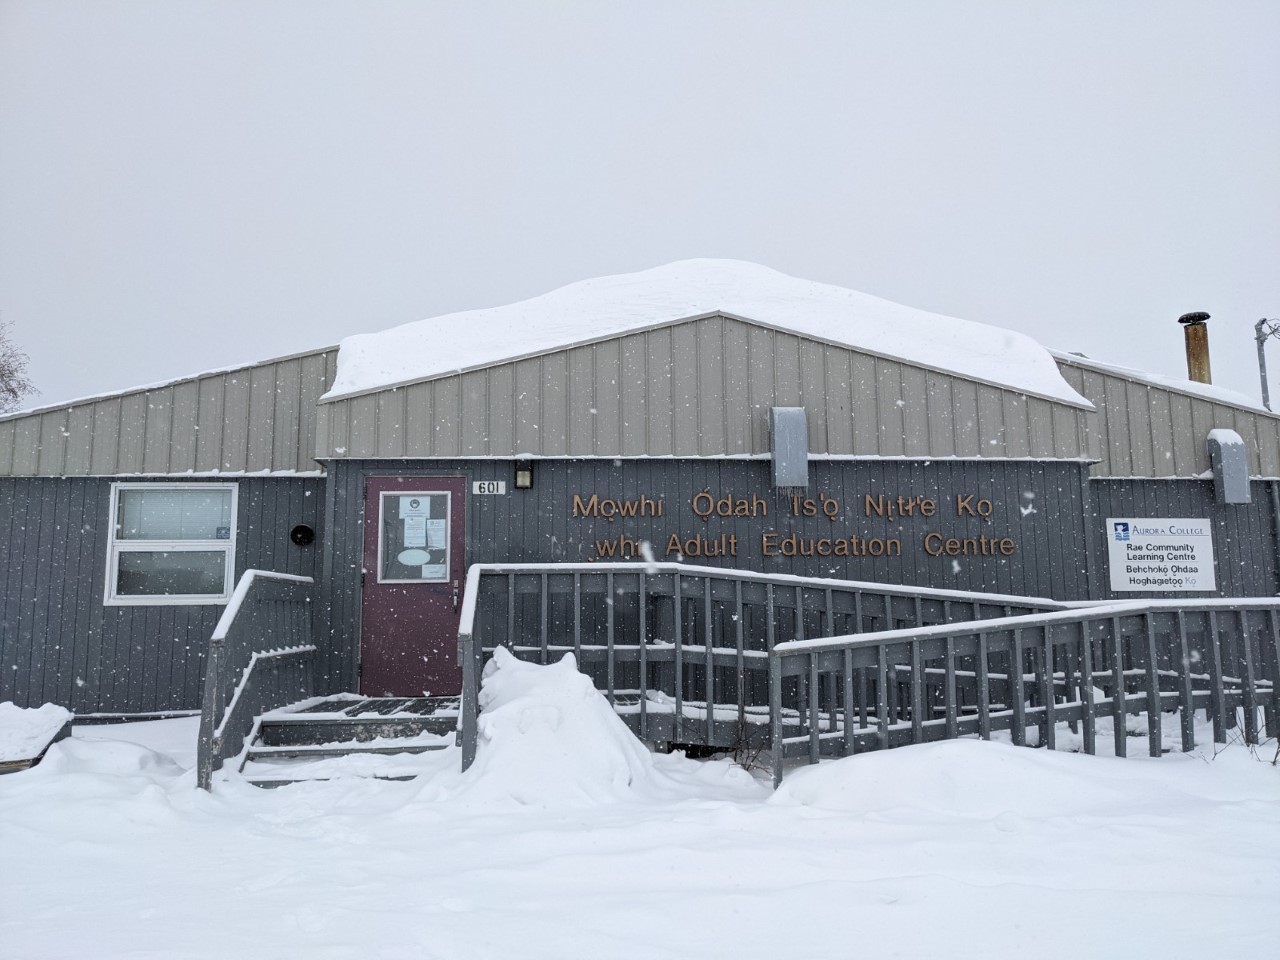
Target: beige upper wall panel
{"x":702,"y":388}
{"x":1150,"y":430}
{"x":256,"y":418}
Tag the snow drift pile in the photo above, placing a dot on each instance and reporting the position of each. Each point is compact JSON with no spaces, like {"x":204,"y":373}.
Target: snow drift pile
{"x":24,"y":732}
{"x":547,"y":737}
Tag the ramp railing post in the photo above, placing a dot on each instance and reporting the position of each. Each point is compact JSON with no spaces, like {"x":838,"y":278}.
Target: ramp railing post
{"x":205,"y":747}
{"x":775,"y":716}
{"x":469,"y":708}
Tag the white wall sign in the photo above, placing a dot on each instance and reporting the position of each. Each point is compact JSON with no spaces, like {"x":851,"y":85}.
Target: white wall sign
{"x":1161,"y":554}
{"x":489,"y":486}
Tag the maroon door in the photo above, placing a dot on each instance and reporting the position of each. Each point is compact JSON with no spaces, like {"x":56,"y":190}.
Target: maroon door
{"x":414,"y":538}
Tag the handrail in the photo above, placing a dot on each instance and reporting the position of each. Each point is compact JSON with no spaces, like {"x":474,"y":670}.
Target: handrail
{"x":728,"y":573}
{"x":1076,"y":612}
{"x":843,"y":695}
{"x":701,"y":645}
{"x":259,"y":659}
{"x":682,"y":653}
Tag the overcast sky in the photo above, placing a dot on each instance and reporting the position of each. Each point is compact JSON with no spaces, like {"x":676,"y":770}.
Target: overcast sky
{"x":189,"y":185}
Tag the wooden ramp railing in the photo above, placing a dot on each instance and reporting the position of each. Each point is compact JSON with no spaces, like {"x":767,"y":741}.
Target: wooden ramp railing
{"x":837,"y":696}
{"x":259,"y":659}
{"x":683,"y":653}
{"x":814,"y":668}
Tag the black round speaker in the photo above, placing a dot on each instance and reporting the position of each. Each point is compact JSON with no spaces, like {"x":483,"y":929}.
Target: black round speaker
{"x":302,"y":535}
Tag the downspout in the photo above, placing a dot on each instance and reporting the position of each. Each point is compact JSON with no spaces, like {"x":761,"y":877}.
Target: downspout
{"x":1274,"y":487}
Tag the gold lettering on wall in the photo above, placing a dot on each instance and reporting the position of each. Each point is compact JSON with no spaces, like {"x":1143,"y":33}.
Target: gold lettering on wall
{"x":708,"y":506}
{"x":610,"y":509}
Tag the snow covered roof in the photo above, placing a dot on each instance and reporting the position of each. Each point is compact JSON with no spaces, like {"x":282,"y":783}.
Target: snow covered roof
{"x":610,"y":306}
{"x":1207,"y":391}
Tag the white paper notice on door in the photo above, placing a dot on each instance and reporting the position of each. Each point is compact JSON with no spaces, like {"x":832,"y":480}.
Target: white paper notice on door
{"x":433,"y":571}
{"x":437,"y":530}
{"x":416,"y":505}
{"x":415,"y":531}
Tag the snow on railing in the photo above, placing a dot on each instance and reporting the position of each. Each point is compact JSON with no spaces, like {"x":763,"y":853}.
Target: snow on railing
{"x":259,"y":659}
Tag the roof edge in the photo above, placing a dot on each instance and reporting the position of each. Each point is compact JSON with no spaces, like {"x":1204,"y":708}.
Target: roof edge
{"x":1149,"y":379}
{"x":160,"y":384}
{"x":330,"y":397}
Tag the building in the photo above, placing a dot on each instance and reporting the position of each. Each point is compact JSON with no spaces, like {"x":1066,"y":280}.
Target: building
{"x":710,"y":411}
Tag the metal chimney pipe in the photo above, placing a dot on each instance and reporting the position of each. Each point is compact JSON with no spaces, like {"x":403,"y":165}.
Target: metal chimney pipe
{"x":1197,"y":336}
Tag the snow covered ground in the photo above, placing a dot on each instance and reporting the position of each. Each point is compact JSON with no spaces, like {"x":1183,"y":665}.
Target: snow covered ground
{"x":567,"y":841}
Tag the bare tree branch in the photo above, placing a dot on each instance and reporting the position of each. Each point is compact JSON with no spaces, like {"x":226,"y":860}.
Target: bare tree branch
{"x":14,"y":383}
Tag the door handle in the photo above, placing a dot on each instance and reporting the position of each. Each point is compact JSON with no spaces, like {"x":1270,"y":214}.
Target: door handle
{"x":455,"y":594}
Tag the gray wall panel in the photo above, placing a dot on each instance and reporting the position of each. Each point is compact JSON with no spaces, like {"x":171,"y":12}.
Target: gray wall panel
{"x":182,"y":427}
{"x":155,"y":437}
{"x":7,"y":431}
{"x":26,"y":452}
{"x":58,"y":641}
{"x":364,"y":441}
{"x":917,"y":437}
{"x":685,"y":389}
{"x":390,"y":421}
{"x":53,"y":428}
{"x":474,"y":425}
{"x":256,"y":418}
{"x":235,"y":421}
{"x":739,"y":415}
{"x":838,"y":408}
{"x":133,"y":428}
{"x":886,"y":410}
{"x":501,"y":428}
{"x":579,"y":403}
{"x":700,"y":388}
{"x":208,"y":426}
{"x":262,"y":416}
{"x":1149,"y":429}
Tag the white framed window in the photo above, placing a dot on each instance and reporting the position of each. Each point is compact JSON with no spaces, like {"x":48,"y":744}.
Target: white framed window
{"x":171,"y":543}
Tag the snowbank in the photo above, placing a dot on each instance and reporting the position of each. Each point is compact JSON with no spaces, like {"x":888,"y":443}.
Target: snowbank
{"x":114,"y":760}
{"x":547,"y":737}
{"x":990,"y":780}
{"x":965,"y":850}
{"x":24,"y":732}
{"x":608,"y":306}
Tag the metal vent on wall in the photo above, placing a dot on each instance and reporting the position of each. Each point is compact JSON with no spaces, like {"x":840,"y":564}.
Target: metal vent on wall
{"x":1229,"y":461}
{"x":789,"y":436}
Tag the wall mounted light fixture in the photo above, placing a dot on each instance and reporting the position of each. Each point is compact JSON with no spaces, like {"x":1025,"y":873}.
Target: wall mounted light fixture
{"x":524,"y":474}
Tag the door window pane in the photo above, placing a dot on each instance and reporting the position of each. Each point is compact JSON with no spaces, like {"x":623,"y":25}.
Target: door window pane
{"x":414,"y":528}
{"x":170,"y":573}
{"x":167,"y":514}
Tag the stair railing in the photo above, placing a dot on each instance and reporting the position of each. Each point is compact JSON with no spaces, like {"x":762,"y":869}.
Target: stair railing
{"x":260,"y":659}
{"x":681,"y":651}
{"x":835,"y":696}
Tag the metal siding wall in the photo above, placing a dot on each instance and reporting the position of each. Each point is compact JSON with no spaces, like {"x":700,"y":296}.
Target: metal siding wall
{"x":702,"y":388}
{"x":1041,"y":505}
{"x":1150,"y":430}
{"x":1244,"y":542}
{"x":58,"y":641}
{"x":257,"y":418}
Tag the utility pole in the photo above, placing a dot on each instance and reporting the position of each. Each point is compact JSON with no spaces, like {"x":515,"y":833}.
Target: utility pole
{"x":1262,"y":330}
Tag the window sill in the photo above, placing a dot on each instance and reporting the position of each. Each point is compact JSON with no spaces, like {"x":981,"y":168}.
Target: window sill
{"x":160,"y":601}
